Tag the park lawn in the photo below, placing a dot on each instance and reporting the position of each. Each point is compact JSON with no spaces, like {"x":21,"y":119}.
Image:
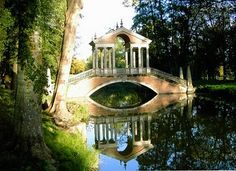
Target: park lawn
{"x":218,"y":89}
{"x":69,"y":151}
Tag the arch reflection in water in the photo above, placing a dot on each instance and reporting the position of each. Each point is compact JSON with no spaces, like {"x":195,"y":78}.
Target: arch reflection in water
{"x":155,"y":104}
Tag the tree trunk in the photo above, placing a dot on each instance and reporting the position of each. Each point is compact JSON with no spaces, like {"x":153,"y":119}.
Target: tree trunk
{"x":61,"y":114}
{"x":29,"y":137}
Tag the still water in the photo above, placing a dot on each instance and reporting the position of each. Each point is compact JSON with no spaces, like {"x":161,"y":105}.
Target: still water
{"x":168,"y":132}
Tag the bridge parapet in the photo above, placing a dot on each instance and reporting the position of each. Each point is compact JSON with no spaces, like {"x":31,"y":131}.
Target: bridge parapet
{"x":82,"y":75}
{"x":128,"y":72}
{"x":168,"y":77}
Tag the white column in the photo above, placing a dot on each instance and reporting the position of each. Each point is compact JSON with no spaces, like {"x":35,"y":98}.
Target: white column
{"x":126,"y":59}
{"x":109,"y":53}
{"x":141,"y":129}
{"x":147,"y":56}
{"x":134,"y":60}
{"x":131,"y":57}
{"x":101,"y":61}
{"x":96,"y":57}
{"x":139,"y":57}
{"x":103,"y":132}
{"x":113,"y":58}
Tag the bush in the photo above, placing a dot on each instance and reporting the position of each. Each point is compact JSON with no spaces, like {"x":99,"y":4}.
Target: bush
{"x":77,"y":66}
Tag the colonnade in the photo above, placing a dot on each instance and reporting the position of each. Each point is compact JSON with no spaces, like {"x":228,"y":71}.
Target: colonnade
{"x":107,"y":57}
{"x":136,"y":58}
{"x":138,"y":128}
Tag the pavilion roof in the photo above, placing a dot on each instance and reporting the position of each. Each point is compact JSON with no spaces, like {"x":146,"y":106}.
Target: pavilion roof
{"x":126,"y":34}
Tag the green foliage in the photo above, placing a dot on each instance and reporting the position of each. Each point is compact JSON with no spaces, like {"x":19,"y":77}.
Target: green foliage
{"x":47,"y":19}
{"x":89,"y":63}
{"x":68,"y":149}
{"x":199,"y":33}
{"x":120,"y":53}
{"x":6,"y":21}
{"x":51,"y":23}
{"x":77,"y":66}
{"x":80,"y":112}
{"x":6,"y":103}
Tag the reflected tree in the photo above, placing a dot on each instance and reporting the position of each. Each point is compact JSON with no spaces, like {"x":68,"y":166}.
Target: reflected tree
{"x":185,"y":138}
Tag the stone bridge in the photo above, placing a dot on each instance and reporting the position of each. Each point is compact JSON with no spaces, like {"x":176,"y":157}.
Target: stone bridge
{"x":136,"y":68}
{"x":86,"y":83}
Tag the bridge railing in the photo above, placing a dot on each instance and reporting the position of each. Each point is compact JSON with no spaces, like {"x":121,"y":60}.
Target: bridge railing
{"x":125,"y":71}
{"x":167,"y":76}
{"x":81,"y":75}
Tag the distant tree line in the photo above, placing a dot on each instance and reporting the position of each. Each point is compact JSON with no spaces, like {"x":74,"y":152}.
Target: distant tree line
{"x":199,"y":33}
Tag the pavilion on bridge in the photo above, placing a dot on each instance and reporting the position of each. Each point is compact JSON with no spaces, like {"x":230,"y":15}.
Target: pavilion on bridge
{"x":136,"y":52}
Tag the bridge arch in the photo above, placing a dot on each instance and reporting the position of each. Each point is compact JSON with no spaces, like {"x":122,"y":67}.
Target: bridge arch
{"x":125,"y":37}
{"x":121,"y":81}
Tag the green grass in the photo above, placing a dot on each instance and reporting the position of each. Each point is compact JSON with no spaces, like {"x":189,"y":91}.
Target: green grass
{"x":68,"y":149}
{"x":217,"y":89}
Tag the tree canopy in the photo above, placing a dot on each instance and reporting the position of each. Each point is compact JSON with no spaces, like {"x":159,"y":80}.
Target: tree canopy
{"x":189,"y":32}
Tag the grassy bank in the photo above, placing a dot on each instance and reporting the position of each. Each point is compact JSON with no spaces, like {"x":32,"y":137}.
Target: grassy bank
{"x":218,"y":89}
{"x":69,"y":150}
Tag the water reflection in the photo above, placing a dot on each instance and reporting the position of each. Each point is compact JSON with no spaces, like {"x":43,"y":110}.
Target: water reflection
{"x":123,"y":95}
{"x":189,"y":134}
{"x":123,"y":138}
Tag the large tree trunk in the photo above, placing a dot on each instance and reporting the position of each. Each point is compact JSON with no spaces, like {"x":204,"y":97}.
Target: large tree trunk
{"x":61,"y":114}
{"x":29,"y":137}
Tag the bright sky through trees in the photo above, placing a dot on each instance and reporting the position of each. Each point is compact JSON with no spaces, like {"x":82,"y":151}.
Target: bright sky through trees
{"x":98,"y":17}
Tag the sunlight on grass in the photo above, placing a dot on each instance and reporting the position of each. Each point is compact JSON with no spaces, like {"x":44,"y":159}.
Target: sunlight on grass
{"x":69,"y":150}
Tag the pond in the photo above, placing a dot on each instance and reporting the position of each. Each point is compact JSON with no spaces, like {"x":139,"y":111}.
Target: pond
{"x":168,"y":132}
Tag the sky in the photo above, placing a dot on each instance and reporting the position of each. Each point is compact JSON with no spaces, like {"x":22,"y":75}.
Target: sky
{"x":98,"y":17}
